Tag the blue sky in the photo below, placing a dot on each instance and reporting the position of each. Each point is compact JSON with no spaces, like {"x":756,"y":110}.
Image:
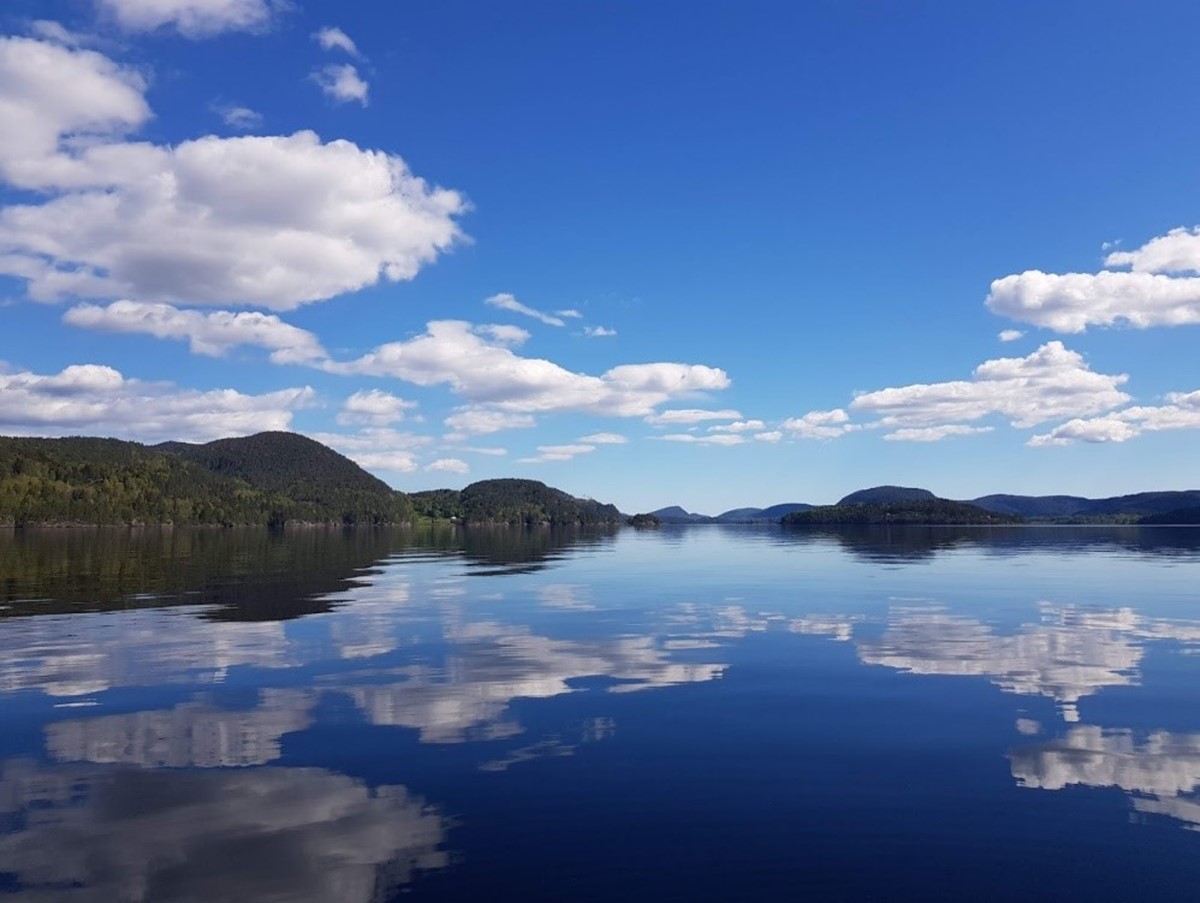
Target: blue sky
{"x":708,"y":254}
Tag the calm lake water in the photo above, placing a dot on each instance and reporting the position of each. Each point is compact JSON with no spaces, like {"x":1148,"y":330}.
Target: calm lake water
{"x":697,"y":714}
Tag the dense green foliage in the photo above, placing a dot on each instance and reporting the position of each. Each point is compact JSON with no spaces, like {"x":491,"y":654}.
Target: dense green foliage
{"x":887,"y":495}
{"x":644,"y":520}
{"x":319,"y":484}
{"x":81,"y":480}
{"x":932,"y":512}
{"x":512,"y":501}
{"x":1179,"y":516}
{"x":1075,"y":509}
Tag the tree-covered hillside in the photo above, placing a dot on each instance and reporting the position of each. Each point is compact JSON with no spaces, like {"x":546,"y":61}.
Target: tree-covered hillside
{"x":936,"y":512}
{"x":318,"y":482}
{"x":83,"y":480}
{"x":512,"y":501}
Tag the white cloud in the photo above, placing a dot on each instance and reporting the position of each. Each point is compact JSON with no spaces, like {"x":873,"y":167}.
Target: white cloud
{"x":820,"y":425}
{"x":1049,"y":384}
{"x":738,"y":426}
{"x":505,"y":301}
{"x":333,"y":38}
{"x":1150,"y":294}
{"x":480,"y":450}
{"x":56,"y":33}
{"x":558,"y":453}
{"x":48,"y":91}
{"x":273,"y":221}
{"x":504,"y":334}
{"x":341,"y":83}
{"x":243,"y":119}
{"x":712,"y":439}
{"x":604,"y":439}
{"x":1073,"y":301}
{"x":934,"y":433}
{"x":1181,"y":413}
{"x":1010,"y":335}
{"x":690,"y":415}
{"x":1176,"y":252}
{"x":213,"y":333}
{"x":378,"y":448}
{"x":771,"y":436}
{"x":491,"y":376}
{"x":570,"y":314}
{"x":193,"y":18}
{"x":598,"y":332}
{"x":90,"y":398}
{"x":481,"y":421}
{"x":374,"y":407}
{"x":449,"y":465}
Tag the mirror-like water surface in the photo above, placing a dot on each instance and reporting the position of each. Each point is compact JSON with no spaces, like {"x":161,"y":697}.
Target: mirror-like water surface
{"x":705,"y":713}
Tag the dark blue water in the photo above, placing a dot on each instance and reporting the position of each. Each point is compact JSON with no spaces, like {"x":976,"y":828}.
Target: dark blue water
{"x":693,"y":714}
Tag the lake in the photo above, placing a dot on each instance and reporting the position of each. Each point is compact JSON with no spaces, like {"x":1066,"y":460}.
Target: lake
{"x":702,"y":713}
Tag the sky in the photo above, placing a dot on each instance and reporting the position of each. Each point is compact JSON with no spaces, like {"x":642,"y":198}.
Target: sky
{"x":675,"y":253}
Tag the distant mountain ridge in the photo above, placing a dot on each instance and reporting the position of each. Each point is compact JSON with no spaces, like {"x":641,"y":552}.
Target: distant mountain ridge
{"x":1172,"y":506}
{"x":674,"y":514}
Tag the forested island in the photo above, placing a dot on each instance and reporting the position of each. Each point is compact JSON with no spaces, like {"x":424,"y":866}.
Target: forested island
{"x":271,"y":479}
{"x":512,"y":501}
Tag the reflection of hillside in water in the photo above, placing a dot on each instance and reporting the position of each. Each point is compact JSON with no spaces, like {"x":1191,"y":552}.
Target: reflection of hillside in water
{"x":249,"y":574}
{"x":913,"y":544}
{"x":245,"y":574}
{"x":104,"y":834}
{"x":1161,"y":773}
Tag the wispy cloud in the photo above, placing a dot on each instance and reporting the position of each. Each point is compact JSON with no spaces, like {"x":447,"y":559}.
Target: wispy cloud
{"x":333,"y":38}
{"x":505,"y":301}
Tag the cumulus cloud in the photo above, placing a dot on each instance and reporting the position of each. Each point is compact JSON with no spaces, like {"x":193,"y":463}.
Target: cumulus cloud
{"x":1151,"y":293}
{"x":90,"y":398}
{"x":213,"y":333}
{"x":48,"y":91}
{"x":481,"y":421}
{"x":505,"y":301}
{"x":341,"y":83}
{"x":374,"y":407}
{"x":193,"y":18}
{"x":57,"y":33}
{"x":449,"y":465}
{"x":934,"y":433}
{"x":820,"y":425}
{"x":333,"y":38}
{"x":598,"y":332}
{"x":1182,"y":412}
{"x":271,"y":221}
{"x":1010,"y":335}
{"x":690,"y":415}
{"x":1176,"y":252}
{"x":769,"y":436}
{"x":378,"y":448}
{"x":604,"y":439}
{"x":492,"y":376}
{"x":1051,"y":383}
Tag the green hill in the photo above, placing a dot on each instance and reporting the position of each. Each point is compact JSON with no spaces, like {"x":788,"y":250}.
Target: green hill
{"x":512,"y":501}
{"x":920,"y":511}
{"x":271,"y":478}
{"x":887,"y":495}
